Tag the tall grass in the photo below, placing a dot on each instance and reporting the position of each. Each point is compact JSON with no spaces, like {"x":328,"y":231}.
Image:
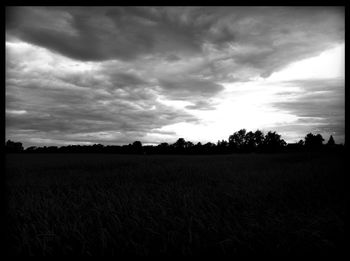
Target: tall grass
{"x":187,"y":205}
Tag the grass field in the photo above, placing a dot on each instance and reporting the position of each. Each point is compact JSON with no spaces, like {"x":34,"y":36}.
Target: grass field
{"x":95,"y":204}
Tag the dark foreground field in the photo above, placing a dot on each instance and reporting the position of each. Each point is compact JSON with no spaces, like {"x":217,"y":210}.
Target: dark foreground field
{"x":95,"y":204}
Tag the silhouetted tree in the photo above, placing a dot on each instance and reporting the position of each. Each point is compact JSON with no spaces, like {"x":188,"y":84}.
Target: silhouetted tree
{"x":273,"y":142}
{"x":96,"y":148}
{"x":222,"y":146}
{"x":240,"y":141}
{"x":301,"y":143}
{"x":259,"y":138}
{"x":197,"y":148}
{"x":12,"y":146}
{"x":249,"y":142}
{"x":163,"y":145}
{"x":237,"y":139}
{"x":222,"y":143}
{"x":137,"y":144}
{"x":188,"y":144}
{"x":31,"y":149}
{"x":313,"y":141}
{"x":208,"y":148}
{"x":331,"y":141}
{"x":163,"y":148}
{"x":137,"y":147}
{"x":180,"y":143}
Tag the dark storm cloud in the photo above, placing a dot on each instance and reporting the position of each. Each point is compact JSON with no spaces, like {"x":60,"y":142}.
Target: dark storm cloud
{"x":172,"y":58}
{"x":183,"y":88}
{"x":266,"y":38}
{"x":127,"y":79}
{"x":121,"y":79}
{"x":82,"y":80}
{"x":111,"y":32}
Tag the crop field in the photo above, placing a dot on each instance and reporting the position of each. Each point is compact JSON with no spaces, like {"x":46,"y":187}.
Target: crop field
{"x":103,"y":204}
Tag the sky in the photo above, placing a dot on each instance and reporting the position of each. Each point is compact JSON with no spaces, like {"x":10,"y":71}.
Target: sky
{"x":114,"y":75}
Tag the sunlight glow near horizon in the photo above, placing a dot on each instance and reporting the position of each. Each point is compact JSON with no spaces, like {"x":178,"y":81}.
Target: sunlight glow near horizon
{"x":248,"y":105}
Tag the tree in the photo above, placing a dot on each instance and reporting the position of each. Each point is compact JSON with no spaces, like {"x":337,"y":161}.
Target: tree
{"x":137,"y":146}
{"x":12,"y":146}
{"x":252,"y":140}
{"x":300,"y":143}
{"x":31,"y":149}
{"x":208,"y":148}
{"x":249,"y":141}
{"x":237,"y":139}
{"x":273,"y":142}
{"x":188,"y":144}
{"x":331,"y":141}
{"x":259,"y":138}
{"x":222,"y":144}
{"x":209,"y":145}
{"x":163,"y":148}
{"x":180,"y":144}
{"x":163,"y":145}
{"x":313,"y":141}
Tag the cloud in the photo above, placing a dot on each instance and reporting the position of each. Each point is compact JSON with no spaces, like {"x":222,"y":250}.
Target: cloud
{"x":319,"y":106}
{"x":79,"y":113}
{"x":328,"y":92}
{"x":264,"y":39}
{"x":201,"y":105}
{"x":111,"y":33}
{"x":80,"y":102}
{"x":101,"y":70}
{"x":172,"y":58}
{"x":181,"y":88}
{"x":126,"y":79}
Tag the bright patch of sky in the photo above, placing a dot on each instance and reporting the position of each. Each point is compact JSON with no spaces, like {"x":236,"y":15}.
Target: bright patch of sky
{"x":248,"y":104}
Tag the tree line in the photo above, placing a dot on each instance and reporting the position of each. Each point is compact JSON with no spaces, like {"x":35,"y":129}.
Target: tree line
{"x":239,"y":142}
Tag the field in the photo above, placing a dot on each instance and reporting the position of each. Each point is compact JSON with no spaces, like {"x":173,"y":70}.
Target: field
{"x":102,"y":204}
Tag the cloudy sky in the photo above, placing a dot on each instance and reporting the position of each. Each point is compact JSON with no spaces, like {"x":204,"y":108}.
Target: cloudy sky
{"x":113,"y":75}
